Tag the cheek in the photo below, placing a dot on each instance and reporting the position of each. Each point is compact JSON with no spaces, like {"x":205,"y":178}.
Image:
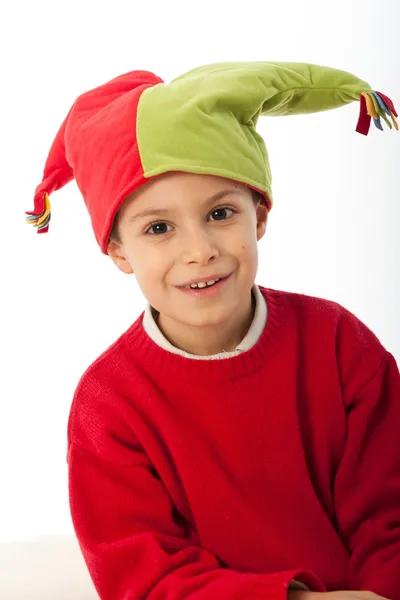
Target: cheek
{"x":151,"y":270}
{"x":248,"y":250}
{"x":248,"y":246}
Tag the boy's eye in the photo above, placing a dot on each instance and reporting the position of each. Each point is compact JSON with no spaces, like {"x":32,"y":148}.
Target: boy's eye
{"x":154,"y":228}
{"x":223,"y":210}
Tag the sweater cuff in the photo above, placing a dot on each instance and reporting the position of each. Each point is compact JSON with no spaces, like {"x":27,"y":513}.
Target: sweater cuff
{"x":275,"y":586}
{"x":306,"y":580}
{"x":297,"y":585}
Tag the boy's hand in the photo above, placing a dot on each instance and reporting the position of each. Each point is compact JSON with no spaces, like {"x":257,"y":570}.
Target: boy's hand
{"x":343,"y":595}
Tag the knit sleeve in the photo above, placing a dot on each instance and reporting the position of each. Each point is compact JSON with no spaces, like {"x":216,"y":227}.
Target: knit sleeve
{"x":135,"y":543}
{"x":367,"y":483}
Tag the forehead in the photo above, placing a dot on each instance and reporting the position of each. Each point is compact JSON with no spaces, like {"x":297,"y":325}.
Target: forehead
{"x":176,"y":182}
{"x":168,"y":189}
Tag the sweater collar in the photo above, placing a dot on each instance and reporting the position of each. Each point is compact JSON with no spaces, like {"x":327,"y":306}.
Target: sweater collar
{"x":145,"y":354}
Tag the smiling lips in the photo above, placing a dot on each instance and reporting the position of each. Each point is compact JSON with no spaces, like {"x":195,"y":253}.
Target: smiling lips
{"x":204,"y":280}
{"x":202,"y":284}
{"x":205,"y":290}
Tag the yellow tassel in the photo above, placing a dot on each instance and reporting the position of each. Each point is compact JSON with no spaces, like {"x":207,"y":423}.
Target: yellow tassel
{"x":395,"y":123}
{"x":47,"y":210}
{"x":40,"y":221}
{"x":370,"y":105}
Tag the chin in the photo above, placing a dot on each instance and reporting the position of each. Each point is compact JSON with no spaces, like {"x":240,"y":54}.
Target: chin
{"x":205,"y":318}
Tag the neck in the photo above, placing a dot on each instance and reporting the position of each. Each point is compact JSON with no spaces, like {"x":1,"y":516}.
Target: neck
{"x":209,"y":340}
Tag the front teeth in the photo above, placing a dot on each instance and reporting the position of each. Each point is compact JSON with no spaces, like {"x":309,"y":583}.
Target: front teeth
{"x":201,"y":284}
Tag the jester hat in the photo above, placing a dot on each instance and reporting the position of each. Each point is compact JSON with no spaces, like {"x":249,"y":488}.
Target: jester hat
{"x":119,"y":135}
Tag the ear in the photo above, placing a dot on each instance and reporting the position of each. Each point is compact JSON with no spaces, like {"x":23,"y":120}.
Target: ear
{"x":116,"y":252}
{"x":262,"y":217}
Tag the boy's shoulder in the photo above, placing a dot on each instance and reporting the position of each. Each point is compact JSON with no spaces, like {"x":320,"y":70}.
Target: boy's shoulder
{"x":334,"y":329}
{"x":105,"y":369}
{"x":309,"y":305}
{"x":306,"y":305}
{"x":101,"y":391}
{"x":322,"y":311}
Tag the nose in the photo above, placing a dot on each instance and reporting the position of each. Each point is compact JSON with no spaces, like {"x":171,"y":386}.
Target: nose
{"x":199,"y":246}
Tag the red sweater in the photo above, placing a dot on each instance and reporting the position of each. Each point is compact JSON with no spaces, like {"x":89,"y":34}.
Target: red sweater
{"x":226,"y":479}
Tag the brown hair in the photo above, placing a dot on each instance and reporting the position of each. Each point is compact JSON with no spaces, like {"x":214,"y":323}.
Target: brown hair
{"x":115,"y":234}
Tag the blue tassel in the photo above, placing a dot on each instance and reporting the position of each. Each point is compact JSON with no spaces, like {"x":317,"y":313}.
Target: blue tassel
{"x":378,"y":123}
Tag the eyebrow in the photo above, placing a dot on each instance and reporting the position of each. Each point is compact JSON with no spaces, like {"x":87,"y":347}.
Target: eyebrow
{"x":164,"y":211}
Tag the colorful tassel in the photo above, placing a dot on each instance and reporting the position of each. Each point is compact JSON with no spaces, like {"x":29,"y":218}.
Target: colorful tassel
{"x":374,"y":105}
{"x":381,"y":108}
{"x":41,"y":220}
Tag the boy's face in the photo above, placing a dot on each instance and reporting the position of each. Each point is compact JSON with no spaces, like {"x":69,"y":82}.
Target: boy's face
{"x":190,"y":236}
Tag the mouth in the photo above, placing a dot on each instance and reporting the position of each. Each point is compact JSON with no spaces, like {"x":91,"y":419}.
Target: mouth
{"x":205,"y":281}
{"x":205,"y":289}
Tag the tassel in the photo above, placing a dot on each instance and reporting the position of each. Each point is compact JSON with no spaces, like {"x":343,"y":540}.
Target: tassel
{"x":364,"y":120}
{"x":374,"y":105}
{"x":41,"y":220}
{"x":370,"y":105}
{"x":381,"y":108}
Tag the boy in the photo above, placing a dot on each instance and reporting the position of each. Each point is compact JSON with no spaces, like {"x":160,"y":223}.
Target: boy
{"x":236,"y":442}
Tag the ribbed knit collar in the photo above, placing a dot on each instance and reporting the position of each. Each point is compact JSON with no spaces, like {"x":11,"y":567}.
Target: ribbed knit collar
{"x":150,"y":356}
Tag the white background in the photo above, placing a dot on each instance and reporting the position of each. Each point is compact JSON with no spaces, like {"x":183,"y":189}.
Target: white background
{"x":333,"y":231}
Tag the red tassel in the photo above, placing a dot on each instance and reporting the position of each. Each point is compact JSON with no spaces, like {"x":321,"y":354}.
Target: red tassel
{"x":389,"y":103}
{"x":364,"y":120}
